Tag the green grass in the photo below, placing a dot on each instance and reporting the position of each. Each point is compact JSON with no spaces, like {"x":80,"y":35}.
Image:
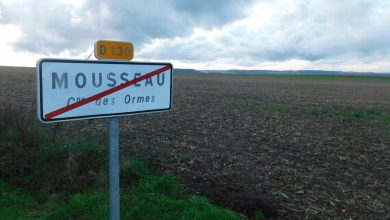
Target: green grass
{"x":15,"y":204}
{"x":376,"y":118}
{"x":155,"y":197}
{"x":332,"y":77}
{"x":355,"y":78}
{"x":43,"y":177}
{"x":362,"y":115}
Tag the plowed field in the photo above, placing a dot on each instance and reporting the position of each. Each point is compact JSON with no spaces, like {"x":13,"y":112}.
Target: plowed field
{"x":293,"y":147}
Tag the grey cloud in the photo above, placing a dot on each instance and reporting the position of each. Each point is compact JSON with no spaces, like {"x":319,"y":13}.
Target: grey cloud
{"x":322,"y":29}
{"x":47,"y":27}
{"x":316,"y":30}
{"x":216,"y":12}
{"x":333,"y":28}
{"x":50,"y":28}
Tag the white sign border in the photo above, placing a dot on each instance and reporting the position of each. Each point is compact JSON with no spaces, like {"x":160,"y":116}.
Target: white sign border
{"x":39,"y":89}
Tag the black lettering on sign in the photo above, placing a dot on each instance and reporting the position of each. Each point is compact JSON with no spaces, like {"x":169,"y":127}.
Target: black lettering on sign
{"x":55,"y":79}
{"x":94,"y":79}
{"x":127,"y":99}
{"x":98,"y":79}
{"x":140,"y":99}
{"x":102,"y":101}
{"x":127,"y":51}
{"x":148,"y":81}
{"x":103,"y":50}
{"x":160,"y":83}
{"x":83,"y":81}
{"x":113,"y":81}
{"x":136,"y":75}
{"x":70,"y":101}
{"x":123,"y":77}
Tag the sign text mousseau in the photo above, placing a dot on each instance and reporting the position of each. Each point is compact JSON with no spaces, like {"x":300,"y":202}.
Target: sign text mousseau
{"x":75,"y":89}
{"x":111,"y":79}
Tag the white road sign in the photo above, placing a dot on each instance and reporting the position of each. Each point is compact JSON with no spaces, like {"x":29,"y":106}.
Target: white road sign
{"x":80,"y":89}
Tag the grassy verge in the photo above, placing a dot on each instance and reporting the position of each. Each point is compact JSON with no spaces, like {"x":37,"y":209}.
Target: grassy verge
{"x":362,"y":115}
{"x":374,"y":118}
{"x":333,"y":78}
{"x":57,"y":178}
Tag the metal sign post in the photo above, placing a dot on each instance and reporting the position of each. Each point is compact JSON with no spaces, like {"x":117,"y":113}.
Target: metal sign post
{"x":114,"y":170}
{"x":111,"y":87}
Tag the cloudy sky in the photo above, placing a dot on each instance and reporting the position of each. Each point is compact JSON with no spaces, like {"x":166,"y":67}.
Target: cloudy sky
{"x":215,"y":34}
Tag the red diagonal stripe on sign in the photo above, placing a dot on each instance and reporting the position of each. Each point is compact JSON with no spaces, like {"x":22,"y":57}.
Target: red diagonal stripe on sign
{"x":105,"y":93}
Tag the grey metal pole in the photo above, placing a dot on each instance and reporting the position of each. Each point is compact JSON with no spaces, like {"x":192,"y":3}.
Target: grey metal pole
{"x":113,"y":141}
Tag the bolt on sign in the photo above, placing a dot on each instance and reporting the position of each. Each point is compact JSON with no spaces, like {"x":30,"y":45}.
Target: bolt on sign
{"x":83,"y":89}
{"x":114,"y":50}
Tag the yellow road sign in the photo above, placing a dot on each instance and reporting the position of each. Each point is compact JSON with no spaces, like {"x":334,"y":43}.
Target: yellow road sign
{"x":114,"y":50}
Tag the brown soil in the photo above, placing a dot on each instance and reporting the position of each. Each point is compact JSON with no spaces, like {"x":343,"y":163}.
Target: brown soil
{"x":292,"y":148}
